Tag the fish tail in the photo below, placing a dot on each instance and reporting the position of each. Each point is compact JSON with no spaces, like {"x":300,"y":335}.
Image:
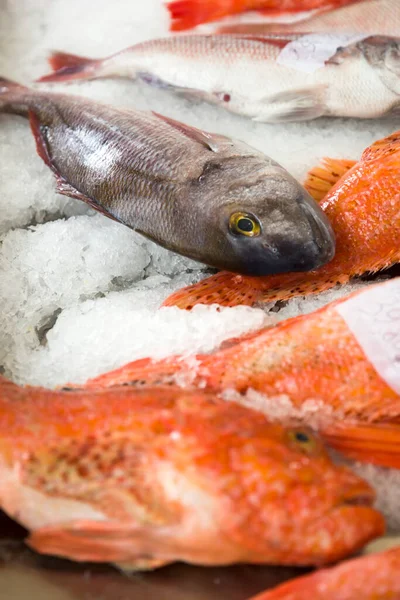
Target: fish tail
{"x":13,"y":97}
{"x":225,"y":289}
{"x":376,"y":443}
{"x":69,"y":67}
{"x":186,"y":14}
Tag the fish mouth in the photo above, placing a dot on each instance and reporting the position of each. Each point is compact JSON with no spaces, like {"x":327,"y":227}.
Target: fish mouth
{"x":322,"y":245}
{"x":360,"y":495}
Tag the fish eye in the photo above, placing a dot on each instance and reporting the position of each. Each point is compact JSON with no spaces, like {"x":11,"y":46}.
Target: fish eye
{"x":244,"y":224}
{"x":303,"y":439}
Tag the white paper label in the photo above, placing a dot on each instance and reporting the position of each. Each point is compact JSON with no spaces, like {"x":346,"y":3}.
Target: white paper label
{"x":373,"y":317}
{"x":311,"y":51}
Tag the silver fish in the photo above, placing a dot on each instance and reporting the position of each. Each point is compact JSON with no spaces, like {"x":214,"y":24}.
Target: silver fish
{"x":244,"y":75}
{"x":202,"y":195}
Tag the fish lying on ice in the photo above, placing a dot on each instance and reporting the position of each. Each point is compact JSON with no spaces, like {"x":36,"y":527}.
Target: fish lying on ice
{"x":202,"y":195}
{"x":257,"y":76}
{"x":363,"y":207}
{"x":371,"y":577}
{"x":146,"y":477}
{"x":369,"y":17}
{"x":338,"y":366}
{"x":186,"y":14}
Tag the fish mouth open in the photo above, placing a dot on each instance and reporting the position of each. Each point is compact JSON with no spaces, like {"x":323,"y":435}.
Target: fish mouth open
{"x":360,"y":495}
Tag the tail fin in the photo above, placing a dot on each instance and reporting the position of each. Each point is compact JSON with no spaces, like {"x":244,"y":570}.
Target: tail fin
{"x":186,"y":14}
{"x":69,"y":67}
{"x":373,"y":443}
{"x":11,"y":94}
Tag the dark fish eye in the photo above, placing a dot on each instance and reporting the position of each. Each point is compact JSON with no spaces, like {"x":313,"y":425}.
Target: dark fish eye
{"x":303,"y":440}
{"x":244,"y":224}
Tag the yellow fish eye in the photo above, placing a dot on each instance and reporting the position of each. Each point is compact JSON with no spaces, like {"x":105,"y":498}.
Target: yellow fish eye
{"x":303,"y":439}
{"x":244,"y":224}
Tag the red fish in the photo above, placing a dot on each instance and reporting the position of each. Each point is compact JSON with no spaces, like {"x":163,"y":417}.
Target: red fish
{"x":372,"y":577}
{"x":363,"y":207}
{"x":142,"y":478}
{"x":344,"y":358}
{"x":186,"y":14}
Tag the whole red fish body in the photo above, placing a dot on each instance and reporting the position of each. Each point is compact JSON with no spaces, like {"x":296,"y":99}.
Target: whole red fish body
{"x":146,"y":477}
{"x":343,"y":358}
{"x":186,"y":14}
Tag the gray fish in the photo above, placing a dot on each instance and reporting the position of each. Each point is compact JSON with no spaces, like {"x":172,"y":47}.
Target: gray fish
{"x":202,"y":195}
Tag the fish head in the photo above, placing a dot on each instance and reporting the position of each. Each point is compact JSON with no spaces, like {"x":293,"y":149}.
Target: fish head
{"x":262,"y":221}
{"x":302,"y":508}
{"x":382,"y":53}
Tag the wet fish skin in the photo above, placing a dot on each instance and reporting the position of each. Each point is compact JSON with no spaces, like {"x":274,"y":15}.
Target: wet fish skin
{"x":175,"y":184}
{"x":314,"y":357}
{"x":362,"y":202}
{"x":241,"y":74}
{"x":146,"y":477}
{"x":186,"y":14}
{"x":371,"y":577}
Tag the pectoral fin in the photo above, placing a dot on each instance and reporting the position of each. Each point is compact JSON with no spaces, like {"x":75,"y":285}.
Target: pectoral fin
{"x":297,"y":105}
{"x":373,"y":443}
{"x":208,"y":140}
{"x":128,"y":544}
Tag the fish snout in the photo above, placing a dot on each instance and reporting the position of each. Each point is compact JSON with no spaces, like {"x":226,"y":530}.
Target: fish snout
{"x":320,"y":249}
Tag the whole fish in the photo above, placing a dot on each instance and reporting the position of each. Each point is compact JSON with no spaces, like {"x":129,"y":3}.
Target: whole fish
{"x":343,"y":358}
{"x":143,"y":478}
{"x":203,"y":195}
{"x":276,"y":78}
{"x":361,"y":200}
{"x":371,"y":577}
{"x":186,"y":14}
{"x":369,"y":17}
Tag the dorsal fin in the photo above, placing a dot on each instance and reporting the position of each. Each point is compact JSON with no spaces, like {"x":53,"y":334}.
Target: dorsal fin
{"x":208,"y":140}
{"x":322,"y":178}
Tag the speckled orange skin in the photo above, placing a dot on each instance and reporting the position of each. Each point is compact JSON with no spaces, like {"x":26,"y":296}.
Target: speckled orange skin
{"x":372,"y":577}
{"x":364,"y":210}
{"x":173,"y":475}
{"x":186,"y":14}
{"x":311,"y":357}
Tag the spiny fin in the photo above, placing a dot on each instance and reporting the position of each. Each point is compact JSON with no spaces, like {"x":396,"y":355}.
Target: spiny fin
{"x":140,"y":372}
{"x":68,"y":67}
{"x":322,"y":178}
{"x":299,"y":105}
{"x":208,"y":140}
{"x":382,"y":148}
{"x":223,"y":288}
{"x":94,"y":541}
{"x":376,"y":443}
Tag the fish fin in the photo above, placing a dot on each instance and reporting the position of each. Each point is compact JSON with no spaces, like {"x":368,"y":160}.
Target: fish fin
{"x":226,"y":289}
{"x":62,"y":185}
{"x":186,"y":14}
{"x":377,"y":443}
{"x":68,"y":67}
{"x":298,"y":105}
{"x":322,"y":178}
{"x":144,"y":371}
{"x":94,"y":541}
{"x":382,"y":148}
{"x":209,"y":140}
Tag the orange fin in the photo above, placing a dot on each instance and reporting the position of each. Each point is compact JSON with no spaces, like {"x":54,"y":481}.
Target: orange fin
{"x":226,"y":289}
{"x":322,"y":178}
{"x":94,"y":541}
{"x":68,"y":67}
{"x":383,"y":148}
{"x":139,"y":373}
{"x":186,"y":14}
{"x":373,"y":443}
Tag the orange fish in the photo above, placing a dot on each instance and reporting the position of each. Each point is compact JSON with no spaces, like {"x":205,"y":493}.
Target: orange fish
{"x":142,"y":478}
{"x":371,"y":577}
{"x":345,"y":357}
{"x":186,"y":14}
{"x":363,"y":207}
